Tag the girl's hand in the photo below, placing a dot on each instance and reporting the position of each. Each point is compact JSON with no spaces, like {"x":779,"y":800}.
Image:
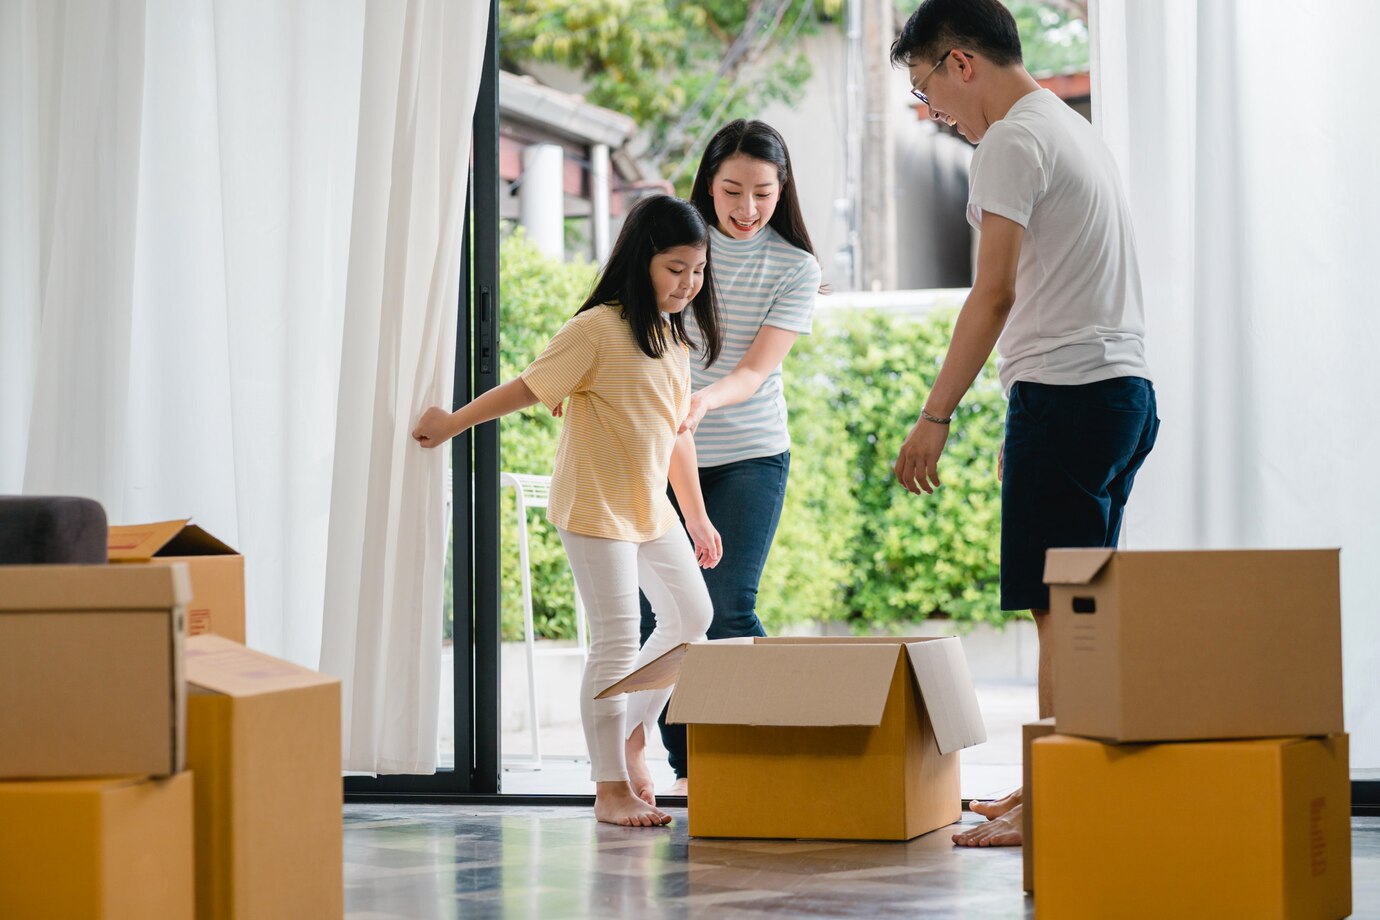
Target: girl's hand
{"x":433,"y":427}
{"x":558,"y":411}
{"x":696,"y":414}
{"x":709,"y":548}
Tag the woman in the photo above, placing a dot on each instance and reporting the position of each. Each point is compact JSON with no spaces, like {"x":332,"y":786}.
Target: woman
{"x":767,"y":276}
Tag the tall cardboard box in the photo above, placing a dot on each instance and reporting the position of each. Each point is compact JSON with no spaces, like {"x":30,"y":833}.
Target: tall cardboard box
{"x":821,"y":738}
{"x":263,"y":738}
{"x":1029,"y":732}
{"x":1176,"y":646}
{"x":217,"y":570}
{"x":97,"y":849}
{"x":1258,"y":829}
{"x":91,"y":679}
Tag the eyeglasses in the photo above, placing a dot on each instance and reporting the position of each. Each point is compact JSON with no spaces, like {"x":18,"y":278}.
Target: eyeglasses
{"x":917,"y":93}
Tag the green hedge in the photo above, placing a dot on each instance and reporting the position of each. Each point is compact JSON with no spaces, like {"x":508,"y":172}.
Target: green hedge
{"x":853,"y":546}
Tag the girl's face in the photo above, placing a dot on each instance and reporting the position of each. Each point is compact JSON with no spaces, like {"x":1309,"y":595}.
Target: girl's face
{"x":745,"y":191}
{"x":677,"y":276}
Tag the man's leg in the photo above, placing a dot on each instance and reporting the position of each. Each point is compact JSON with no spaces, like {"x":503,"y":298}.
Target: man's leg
{"x":1078,"y":449}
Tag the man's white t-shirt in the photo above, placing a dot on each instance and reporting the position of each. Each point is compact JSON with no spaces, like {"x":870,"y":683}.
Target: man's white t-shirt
{"x":1078,"y":316}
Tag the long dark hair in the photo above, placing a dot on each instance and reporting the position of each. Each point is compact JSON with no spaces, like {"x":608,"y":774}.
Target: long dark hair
{"x":653,"y":225}
{"x":761,"y":141}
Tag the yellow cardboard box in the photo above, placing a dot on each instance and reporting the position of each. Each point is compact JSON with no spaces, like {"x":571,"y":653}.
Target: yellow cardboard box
{"x":91,"y":677}
{"x":217,"y":571}
{"x":98,"y":849}
{"x":1178,"y":646}
{"x":1258,"y":829}
{"x":820,"y":738}
{"x":1029,"y":732}
{"x":263,"y":737}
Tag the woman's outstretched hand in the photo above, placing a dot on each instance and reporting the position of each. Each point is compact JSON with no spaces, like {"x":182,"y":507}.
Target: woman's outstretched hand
{"x":709,"y":548}
{"x":433,"y":427}
{"x":695,"y":415}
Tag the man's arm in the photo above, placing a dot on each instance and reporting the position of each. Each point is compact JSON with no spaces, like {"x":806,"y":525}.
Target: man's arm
{"x":979,"y":324}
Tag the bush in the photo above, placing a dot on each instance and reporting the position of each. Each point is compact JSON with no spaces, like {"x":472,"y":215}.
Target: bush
{"x":852,"y":546}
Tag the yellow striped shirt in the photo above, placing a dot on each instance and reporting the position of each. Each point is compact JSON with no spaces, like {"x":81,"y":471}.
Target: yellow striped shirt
{"x":620,"y":426}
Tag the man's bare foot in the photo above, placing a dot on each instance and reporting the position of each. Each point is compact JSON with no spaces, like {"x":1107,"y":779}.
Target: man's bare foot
{"x":639,"y":777}
{"x":1004,"y":831}
{"x":997,"y":807}
{"x":615,"y":803}
{"x":680,"y":787}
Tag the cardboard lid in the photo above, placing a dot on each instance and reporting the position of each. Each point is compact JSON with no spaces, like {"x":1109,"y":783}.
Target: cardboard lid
{"x":1075,"y":566}
{"x":941,"y":670}
{"x":228,"y":668}
{"x":141,"y":542}
{"x":93,"y":587}
{"x":789,"y":685}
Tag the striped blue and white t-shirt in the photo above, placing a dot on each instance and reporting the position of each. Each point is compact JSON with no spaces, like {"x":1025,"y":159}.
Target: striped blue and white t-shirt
{"x":762,"y":281}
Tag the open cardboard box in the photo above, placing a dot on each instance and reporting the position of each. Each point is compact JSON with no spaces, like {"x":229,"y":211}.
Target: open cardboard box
{"x":263,"y":738}
{"x":833,"y":738}
{"x":1177,"y":646}
{"x":217,"y":570}
{"x":91,"y":670}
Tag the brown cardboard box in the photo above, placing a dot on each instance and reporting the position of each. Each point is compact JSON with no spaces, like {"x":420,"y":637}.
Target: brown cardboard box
{"x":99,"y":849}
{"x":217,"y":604}
{"x":1029,"y":732}
{"x":827,"y":738}
{"x":263,"y":737}
{"x":1176,"y":646}
{"x":1150,"y":831}
{"x":91,"y":670}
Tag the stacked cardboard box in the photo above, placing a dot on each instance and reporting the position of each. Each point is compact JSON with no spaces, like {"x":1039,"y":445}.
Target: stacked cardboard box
{"x":216,"y":569}
{"x":1199,"y":765}
{"x":820,"y":738}
{"x":91,"y":686}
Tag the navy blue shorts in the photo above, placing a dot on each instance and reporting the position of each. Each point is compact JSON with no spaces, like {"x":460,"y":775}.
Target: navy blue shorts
{"x":1072,"y":453}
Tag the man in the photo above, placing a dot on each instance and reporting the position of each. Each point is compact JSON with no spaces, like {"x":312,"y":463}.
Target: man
{"x":1058,"y":294}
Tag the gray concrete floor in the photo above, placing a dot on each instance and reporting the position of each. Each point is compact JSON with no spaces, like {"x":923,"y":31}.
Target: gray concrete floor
{"x":444,"y":862}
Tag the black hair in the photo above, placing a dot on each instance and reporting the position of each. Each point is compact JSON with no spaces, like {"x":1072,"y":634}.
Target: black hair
{"x":984,"y":26}
{"x":761,"y":141}
{"x":653,"y":225}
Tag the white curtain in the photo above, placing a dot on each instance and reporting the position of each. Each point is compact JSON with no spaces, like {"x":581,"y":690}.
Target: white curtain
{"x":228,"y":265}
{"x":1249,"y":162}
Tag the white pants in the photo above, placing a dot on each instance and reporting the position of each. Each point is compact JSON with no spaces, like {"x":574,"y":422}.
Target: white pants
{"x":608,"y":574}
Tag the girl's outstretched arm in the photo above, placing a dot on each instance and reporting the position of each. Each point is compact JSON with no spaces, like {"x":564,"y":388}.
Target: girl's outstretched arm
{"x":685,"y":480}
{"x":436,"y":426}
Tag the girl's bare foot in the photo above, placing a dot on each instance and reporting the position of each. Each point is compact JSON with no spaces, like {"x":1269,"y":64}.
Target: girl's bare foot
{"x":1004,"y":831}
{"x":615,"y":803}
{"x":680,"y":787}
{"x":639,"y":777}
{"x":997,"y":807}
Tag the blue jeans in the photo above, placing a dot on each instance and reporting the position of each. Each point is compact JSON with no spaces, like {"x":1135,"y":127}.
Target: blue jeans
{"x":744,"y":502}
{"x":1072,"y":454}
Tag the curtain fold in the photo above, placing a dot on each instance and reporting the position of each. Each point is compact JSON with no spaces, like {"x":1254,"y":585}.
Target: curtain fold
{"x":229,"y":247}
{"x":1250,"y":178}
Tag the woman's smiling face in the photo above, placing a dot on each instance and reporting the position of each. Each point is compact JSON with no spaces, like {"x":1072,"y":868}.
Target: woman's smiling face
{"x":745,"y":193}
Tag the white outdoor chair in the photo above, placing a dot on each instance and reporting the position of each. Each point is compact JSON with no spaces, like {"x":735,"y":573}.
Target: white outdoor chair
{"x":535,"y":492}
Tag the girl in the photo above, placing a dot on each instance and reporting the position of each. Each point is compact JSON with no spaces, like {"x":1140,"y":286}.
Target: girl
{"x":624,"y":362}
{"x":767,"y":277}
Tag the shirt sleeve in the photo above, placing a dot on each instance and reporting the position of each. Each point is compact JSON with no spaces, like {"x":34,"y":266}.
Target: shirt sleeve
{"x":1008,"y":177}
{"x":793,"y":307}
{"x":564,"y":366}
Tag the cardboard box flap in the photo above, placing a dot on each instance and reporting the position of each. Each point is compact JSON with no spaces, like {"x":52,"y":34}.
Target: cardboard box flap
{"x":1075,"y":566}
{"x":229,"y":668}
{"x":941,"y":670}
{"x":663,"y":671}
{"x":95,"y":587}
{"x":141,"y":542}
{"x":791,"y":685}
